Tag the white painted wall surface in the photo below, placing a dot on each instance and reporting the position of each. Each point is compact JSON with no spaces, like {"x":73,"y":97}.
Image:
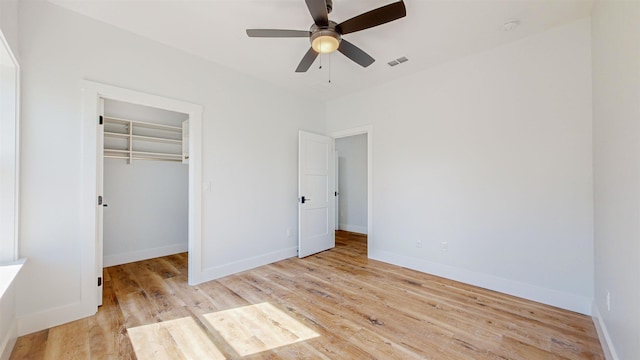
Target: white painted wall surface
{"x":492,"y":155}
{"x":147,"y":214}
{"x":249,"y":141}
{"x":352,"y":151}
{"x":616,"y":137}
{"x":9,"y":24}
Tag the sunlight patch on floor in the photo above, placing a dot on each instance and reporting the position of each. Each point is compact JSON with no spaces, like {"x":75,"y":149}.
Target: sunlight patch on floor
{"x":174,"y":339}
{"x":256,"y":328}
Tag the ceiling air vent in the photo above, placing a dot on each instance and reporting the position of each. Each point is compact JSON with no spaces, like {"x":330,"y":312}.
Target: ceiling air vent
{"x":398,"y":61}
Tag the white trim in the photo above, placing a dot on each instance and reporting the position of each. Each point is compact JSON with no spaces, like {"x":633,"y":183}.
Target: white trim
{"x":91,"y":93}
{"x":9,"y":328}
{"x":564,"y":300}
{"x":367,"y":129}
{"x":8,"y":274}
{"x":13,"y":186}
{"x":49,"y":318}
{"x":9,"y":341}
{"x":353,"y":228}
{"x":217,"y":272}
{"x":603,"y":334}
{"x":125,"y":258}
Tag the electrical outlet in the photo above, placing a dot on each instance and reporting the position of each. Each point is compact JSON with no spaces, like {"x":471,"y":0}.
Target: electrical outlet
{"x":444,"y":245}
{"x":418,"y":243}
{"x":288,"y":232}
{"x":608,"y":301}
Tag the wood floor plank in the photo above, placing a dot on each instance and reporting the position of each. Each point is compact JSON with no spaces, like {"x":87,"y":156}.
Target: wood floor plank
{"x":69,"y":341}
{"x":32,"y":346}
{"x":357,"y":308}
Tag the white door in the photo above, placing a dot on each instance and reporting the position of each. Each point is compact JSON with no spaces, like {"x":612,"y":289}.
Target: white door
{"x":100,"y":203}
{"x":316,"y":186}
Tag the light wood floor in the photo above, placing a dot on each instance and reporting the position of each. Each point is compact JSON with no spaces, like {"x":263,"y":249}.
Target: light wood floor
{"x":333,"y":305}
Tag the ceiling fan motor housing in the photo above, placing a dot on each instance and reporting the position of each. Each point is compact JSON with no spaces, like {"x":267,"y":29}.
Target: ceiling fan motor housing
{"x":329,"y":35}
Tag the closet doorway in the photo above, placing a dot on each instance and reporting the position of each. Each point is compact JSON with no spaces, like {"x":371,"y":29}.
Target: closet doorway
{"x":137,"y":142}
{"x":145,"y":182}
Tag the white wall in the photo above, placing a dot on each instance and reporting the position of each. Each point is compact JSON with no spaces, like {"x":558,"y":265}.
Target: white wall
{"x":492,"y":155}
{"x":616,"y":134}
{"x":249,"y":141}
{"x":147,"y":214}
{"x":352,"y":152}
{"x":9,"y":24}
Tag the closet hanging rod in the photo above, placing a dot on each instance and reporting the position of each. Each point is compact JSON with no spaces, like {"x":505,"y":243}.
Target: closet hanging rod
{"x":156,"y":139}
{"x":115,"y":134}
{"x":155,"y":154}
{"x":155,"y":159}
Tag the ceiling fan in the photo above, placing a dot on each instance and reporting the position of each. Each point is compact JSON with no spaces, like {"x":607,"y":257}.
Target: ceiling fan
{"x":326,"y":35}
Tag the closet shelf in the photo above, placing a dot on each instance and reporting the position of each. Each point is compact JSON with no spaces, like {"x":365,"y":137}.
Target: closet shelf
{"x":140,"y":155}
{"x":143,"y":138}
{"x":134,"y":141}
{"x":143,"y":124}
{"x":116,"y":135}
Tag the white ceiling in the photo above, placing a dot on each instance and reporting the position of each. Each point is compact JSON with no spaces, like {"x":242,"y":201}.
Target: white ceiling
{"x":434,"y":31}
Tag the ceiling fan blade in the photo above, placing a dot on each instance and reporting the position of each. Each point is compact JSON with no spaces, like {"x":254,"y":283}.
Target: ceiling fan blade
{"x":307,"y":60}
{"x":379,"y":16}
{"x":318,"y":10}
{"x":355,"y":53}
{"x":275,"y":33}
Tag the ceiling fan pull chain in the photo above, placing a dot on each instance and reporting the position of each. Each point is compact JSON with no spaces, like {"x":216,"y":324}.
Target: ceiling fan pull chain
{"x":329,"y":69}
{"x":320,"y":56}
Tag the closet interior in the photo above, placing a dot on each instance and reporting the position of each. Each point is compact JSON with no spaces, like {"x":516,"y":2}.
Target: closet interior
{"x":145,"y":181}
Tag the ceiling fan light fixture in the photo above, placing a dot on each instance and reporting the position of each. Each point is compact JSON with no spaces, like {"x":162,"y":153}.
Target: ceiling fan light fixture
{"x":325,"y":42}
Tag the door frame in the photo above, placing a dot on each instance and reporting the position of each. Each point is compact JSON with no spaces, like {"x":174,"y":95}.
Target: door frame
{"x":92,"y":92}
{"x":336,"y":174}
{"x":368,"y":130}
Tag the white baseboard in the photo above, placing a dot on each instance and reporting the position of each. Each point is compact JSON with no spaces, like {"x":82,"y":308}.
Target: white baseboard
{"x":31,"y":323}
{"x":125,"y":258}
{"x":564,"y":300}
{"x":231,"y":268}
{"x":9,"y":341}
{"x":353,"y":228}
{"x":603,"y":334}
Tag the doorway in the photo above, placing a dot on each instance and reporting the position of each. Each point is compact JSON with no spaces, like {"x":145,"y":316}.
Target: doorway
{"x":354,"y":208}
{"x":92,"y":204}
{"x":351,"y":180}
{"x":145,"y":183}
